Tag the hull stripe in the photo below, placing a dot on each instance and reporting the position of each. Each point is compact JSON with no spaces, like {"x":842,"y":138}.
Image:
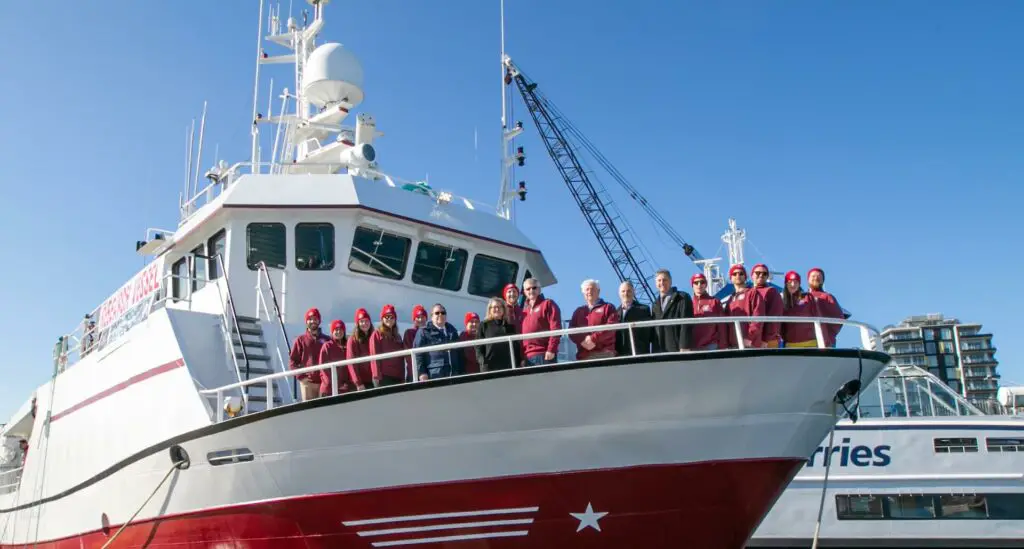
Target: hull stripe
{"x":464,"y":537}
{"x":451,"y":526}
{"x":442,"y":515}
{"x":138,"y":378}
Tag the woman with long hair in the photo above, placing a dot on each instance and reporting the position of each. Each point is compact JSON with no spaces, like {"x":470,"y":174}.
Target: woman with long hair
{"x":797,"y":303}
{"x":385,"y":339}
{"x":358,"y":347}
{"x":513,"y":312}
{"x":472,"y":331}
{"x":335,"y":350}
{"x":498,"y":355}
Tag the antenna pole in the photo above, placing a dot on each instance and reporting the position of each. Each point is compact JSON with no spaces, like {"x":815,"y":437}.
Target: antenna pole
{"x":255,"y":93}
{"x":191,"y":142}
{"x":199,"y":152}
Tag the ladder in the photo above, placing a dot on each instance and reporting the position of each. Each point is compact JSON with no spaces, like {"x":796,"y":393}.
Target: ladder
{"x":251,"y":351}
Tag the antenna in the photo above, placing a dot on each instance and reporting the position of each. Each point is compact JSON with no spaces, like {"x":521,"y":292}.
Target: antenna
{"x":734,"y":238}
{"x":199,"y":152}
{"x":255,"y":93}
{"x":191,"y":143}
{"x":505,"y":197}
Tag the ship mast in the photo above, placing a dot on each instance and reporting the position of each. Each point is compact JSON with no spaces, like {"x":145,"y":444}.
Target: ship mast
{"x":507,"y":194}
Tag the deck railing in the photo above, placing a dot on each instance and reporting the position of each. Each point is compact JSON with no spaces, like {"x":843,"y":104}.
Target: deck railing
{"x":870,"y":339}
{"x":9,"y":480}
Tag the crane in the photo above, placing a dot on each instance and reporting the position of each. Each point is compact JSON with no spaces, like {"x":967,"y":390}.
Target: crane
{"x":562,"y":139}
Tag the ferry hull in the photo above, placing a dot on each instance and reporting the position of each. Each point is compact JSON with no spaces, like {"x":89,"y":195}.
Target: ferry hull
{"x":677,"y":449}
{"x":706,"y":505}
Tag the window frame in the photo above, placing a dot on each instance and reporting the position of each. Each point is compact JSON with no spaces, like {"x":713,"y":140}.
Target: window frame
{"x":453,"y":250}
{"x":380,"y":233}
{"x":488,"y":257}
{"x":198,"y":284}
{"x":331,"y":248}
{"x":179,"y":285}
{"x":213,"y":270}
{"x":253,"y":266}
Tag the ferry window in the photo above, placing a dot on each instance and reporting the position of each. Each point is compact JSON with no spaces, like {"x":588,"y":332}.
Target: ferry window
{"x":439,"y":266}
{"x":179,"y":278}
{"x":377,"y":253}
{"x":1005,"y":506}
{"x":490,"y":274}
{"x":963,"y":507}
{"x":314,"y":246}
{"x":955,"y":445}
{"x":217,"y":244}
{"x":1004,"y":444}
{"x":527,"y":275}
{"x":265,"y":242}
{"x":911,"y":507}
{"x":198,"y":268}
{"x":858,"y":507}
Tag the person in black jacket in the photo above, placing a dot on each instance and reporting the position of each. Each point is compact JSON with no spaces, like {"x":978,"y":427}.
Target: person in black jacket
{"x":498,"y":355}
{"x":632,"y":311}
{"x":671,"y":304}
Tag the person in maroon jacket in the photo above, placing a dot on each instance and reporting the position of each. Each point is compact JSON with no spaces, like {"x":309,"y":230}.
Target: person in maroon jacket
{"x":797,"y":303}
{"x":469,"y":361}
{"x":23,"y":444}
{"x":771,"y":333}
{"x":361,"y":374}
{"x":385,"y":339}
{"x":745,"y":301}
{"x":306,"y":352}
{"x":514,"y":314}
{"x":334,"y":350}
{"x":419,"y":320}
{"x":707,"y":337}
{"x":540,"y":314}
{"x":596,"y":312}
{"x":828,"y":307}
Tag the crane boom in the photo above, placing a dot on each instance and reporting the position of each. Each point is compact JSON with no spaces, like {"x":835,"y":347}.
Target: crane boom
{"x":560,"y":138}
{"x":614,"y":242}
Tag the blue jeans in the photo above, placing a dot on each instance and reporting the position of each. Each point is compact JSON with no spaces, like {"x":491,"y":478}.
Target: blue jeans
{"x":710,"y":347}
{"x":538,"y":360}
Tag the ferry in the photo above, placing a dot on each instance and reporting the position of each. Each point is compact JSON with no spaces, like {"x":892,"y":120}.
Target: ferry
{"x":922,"y":468}
{"x":172,"y":417}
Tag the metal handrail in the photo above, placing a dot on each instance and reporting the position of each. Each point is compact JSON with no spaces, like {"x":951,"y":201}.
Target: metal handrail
{"x":263,"y":271}
{"x":870,"y":339}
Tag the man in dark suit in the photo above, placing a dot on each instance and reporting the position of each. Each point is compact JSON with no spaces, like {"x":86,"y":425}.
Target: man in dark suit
{"x":671,"y":303}
{"x":632,"y":311}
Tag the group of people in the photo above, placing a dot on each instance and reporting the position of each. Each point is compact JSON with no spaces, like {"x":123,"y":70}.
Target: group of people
{"x":531,"y":312}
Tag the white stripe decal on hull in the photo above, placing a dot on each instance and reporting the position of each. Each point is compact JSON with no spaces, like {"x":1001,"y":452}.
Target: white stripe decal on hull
{"x":451,"y":526}
{"x":466,"y":537}
{"x":442,"y":515}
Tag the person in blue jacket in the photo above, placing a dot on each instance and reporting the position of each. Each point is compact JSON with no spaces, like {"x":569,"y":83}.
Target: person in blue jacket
{"x":438,"y":331}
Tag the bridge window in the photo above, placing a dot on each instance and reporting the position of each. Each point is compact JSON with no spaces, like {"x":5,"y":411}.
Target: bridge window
{"x":179,"y":279}
{"x":314,"y":246}
{"x":490,"y":274}
{"x":955,"y":445}
{"x":439,"y":266}
{"x":217,"y":245}
{"x":377,"y":253}
{"x":265,"y":242}
{"x":910,"y":507}
{"x":198,"y":268}
{"x":1004,"y":444}
{"x":859,"y":507}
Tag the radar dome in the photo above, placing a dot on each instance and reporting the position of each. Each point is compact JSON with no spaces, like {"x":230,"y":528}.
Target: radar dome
{"x":332,"y":74}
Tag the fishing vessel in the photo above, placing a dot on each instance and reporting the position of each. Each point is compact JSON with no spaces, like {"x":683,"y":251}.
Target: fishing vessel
{"x":172,"y":417}
{"x":923,"y":467}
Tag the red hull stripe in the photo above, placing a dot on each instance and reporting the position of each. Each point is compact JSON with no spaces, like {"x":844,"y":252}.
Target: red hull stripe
{"x":709,"y":505}
{"x":163,"y":368}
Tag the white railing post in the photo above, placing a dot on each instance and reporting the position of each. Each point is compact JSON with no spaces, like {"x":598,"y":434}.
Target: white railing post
{"x":270,"y":393}
{"x":739,"y":334}
{"x":334,"y":380}
{"x":819,"y":334}
{"x":512,"y":353}
{"x":632,"y":341}
{"x":220,"y":406}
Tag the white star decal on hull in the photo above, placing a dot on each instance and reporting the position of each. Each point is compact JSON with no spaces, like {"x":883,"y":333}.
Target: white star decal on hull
{"x":588,"y":518}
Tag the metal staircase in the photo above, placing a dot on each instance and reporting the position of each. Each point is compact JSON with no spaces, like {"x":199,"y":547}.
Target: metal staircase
{"x":251,"y":351}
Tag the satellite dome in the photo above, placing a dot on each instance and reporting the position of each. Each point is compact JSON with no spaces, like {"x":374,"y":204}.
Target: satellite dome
{"x":332,"y":74}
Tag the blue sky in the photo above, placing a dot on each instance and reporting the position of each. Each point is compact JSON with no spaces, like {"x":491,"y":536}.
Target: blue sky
{"x":880,"y":140}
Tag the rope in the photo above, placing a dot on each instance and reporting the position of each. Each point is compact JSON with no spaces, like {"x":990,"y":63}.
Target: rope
{"x":828,"y":467}
{"x":141,"y":507}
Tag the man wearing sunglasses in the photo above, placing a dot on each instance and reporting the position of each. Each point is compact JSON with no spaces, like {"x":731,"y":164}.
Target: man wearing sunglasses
{"x":540,"y":314}
{"x":438,"y":331}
